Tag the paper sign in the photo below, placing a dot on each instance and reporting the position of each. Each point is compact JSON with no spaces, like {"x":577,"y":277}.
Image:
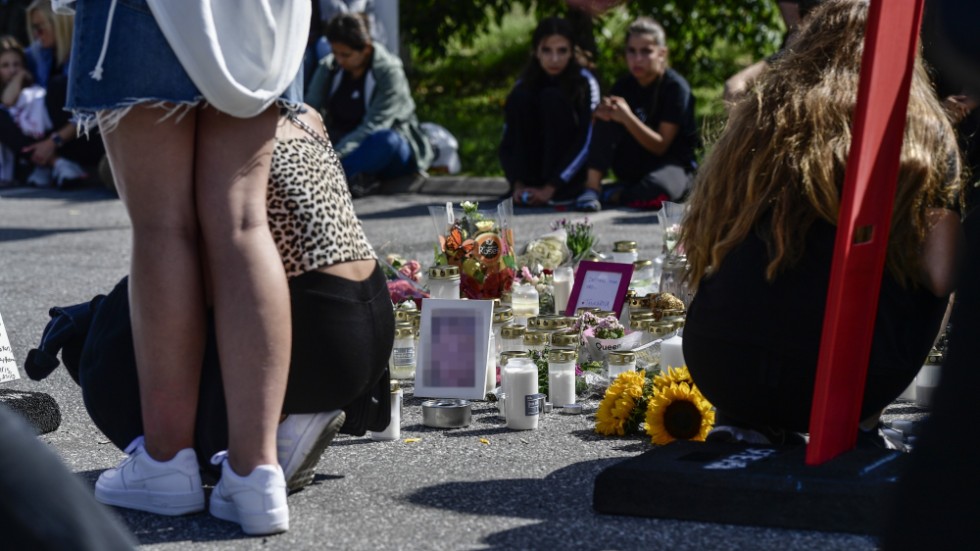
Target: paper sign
{"x":8,"y":365}
{"x":600,"y":285}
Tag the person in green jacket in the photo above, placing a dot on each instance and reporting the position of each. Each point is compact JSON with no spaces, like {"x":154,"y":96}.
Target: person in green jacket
{"x":362,"y":92}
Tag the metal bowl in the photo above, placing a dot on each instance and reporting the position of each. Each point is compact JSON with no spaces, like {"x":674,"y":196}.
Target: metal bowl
{"x":446,"y":413}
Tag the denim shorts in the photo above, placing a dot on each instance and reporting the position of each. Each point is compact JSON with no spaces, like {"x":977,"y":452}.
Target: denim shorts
{"x":139,"y":65}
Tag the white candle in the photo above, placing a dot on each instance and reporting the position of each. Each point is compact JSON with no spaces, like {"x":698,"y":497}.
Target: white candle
{"x":671,"y":353}
{"x":522,"y":385}
{"x":394,"y":429}
{"x":561,"y":387}
{"x":563,"y":280}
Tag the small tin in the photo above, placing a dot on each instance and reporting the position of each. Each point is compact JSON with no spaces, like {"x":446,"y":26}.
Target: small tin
{"x":572,"y":409}
{"x":447,"y":413}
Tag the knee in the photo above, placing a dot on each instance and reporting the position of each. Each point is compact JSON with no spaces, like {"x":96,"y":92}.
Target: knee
{"x":386,"y":139}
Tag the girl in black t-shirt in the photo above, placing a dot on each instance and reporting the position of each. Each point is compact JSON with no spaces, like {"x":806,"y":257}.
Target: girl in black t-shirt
{"x":644,"y":130}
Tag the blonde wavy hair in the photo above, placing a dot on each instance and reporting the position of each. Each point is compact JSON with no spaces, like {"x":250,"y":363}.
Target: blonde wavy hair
{"x":783,"y":152}
{"x":61,"y":25}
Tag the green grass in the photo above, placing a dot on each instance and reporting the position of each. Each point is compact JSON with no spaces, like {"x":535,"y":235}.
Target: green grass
{"x":465,"y":91}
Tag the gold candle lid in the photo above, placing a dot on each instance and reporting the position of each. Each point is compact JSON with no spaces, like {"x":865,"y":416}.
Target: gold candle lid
{"x":403,"y":315}
{"x":404,"y":330}
{"x":624,"y":246}
{"x":512,"y":331}
{"x":606,"y":314}
{"x":503,"y":314}
{"x":565,"y":339}
{"x":535,"y":338}
{"x":621,"y":357}
{"x":640,"y":303}
{"x":562,"y":355}
{"x":548,"y":323}
{"x":639,"y":264}
{"x":583,"y":309}
{"x":445,"y":271}
{"x":658,"y":328}
{"x":678,"y":321}
{"x":630,"y":293}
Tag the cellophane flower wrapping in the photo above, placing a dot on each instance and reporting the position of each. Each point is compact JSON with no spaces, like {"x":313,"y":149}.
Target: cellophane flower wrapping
{"x":403,"y":279}
{"x":480,"y":243}
{"x":547,"y":252}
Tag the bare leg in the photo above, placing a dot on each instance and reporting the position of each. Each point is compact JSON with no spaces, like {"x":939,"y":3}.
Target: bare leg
{"x":153,"y":166}
{"x":251,"y":297}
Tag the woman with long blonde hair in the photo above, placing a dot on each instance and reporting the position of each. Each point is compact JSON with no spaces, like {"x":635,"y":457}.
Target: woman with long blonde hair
{"x":760,"y":235}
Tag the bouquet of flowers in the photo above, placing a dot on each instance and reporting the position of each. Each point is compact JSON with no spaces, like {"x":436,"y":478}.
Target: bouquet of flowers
{"x":480,"y":243}
{"x":547,"y":252}
{"x":600,"y":335}
{"x":403,"y":279}
{"x":668,"y":404}
{"x":579,"y":237}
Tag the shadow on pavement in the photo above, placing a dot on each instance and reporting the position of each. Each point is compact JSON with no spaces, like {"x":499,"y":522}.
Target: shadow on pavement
{"x":23,"y":234}
{"x":562,"y":502}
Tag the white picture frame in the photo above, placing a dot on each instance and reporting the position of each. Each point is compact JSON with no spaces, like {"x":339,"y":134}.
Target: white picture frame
{"x":454,"y":344}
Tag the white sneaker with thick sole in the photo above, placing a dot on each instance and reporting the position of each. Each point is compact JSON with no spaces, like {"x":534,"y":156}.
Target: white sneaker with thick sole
{"x":300,"y":441}
{"x":163,"y":487}
{"x":257,"y":502}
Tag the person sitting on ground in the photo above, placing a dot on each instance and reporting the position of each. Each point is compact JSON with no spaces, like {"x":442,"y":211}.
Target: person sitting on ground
{"x":548,"y":119}
{"x":22,"y":100}
{"x":760,"y":235}
{"x":362,"y":92}
{"x":61,"y":157}
{"x":644,"y":130}
{"x":343,"y":328}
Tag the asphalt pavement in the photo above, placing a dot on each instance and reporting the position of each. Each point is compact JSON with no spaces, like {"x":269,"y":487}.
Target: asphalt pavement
{"x":479,"y":487}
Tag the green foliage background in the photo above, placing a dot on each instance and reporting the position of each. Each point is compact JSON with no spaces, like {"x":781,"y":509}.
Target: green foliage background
{"x":466,"y":55}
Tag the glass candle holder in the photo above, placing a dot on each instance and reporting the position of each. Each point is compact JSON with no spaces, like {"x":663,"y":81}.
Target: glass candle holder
{"x":561,"y":376}
{"x":444,"y":282}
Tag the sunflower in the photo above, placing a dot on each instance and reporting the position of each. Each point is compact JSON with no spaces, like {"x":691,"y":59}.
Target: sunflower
{"x":678,"y":412}
{"x":672,"y":375}
{"x":617,"y":413}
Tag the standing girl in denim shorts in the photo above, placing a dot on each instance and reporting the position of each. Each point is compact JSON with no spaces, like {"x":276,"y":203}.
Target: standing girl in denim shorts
{"x":188,"y":119}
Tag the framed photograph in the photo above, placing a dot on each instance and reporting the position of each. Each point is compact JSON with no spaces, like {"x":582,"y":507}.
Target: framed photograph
{"x":599,"y":284}
{"x":454,"y":345}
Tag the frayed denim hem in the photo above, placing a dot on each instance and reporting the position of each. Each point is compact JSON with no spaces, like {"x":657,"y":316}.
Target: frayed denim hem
{"x":106,"y":120}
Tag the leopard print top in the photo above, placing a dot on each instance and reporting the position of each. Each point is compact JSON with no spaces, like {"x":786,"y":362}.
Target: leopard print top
{"x":310,"y":211}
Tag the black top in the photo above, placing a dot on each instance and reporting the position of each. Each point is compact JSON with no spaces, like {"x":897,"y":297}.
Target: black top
{"x":737,"y":304}
{"x":347,"y":107}
{"x":668,"y":99}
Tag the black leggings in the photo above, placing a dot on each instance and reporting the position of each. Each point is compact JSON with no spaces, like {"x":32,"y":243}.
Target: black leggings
{"x":343,"y":332}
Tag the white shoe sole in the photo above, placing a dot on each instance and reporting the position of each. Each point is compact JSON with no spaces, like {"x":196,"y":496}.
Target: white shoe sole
{"x":299,"y":469}
{"x":257,"y":524}
{"x":171,"y":504}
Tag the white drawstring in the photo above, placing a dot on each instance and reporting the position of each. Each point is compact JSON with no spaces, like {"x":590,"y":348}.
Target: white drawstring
{"x":97,"y":72}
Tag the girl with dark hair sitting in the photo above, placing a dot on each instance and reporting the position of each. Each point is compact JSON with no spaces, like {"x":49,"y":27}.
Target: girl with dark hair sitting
{"x":548,"y":123}
{"x":363,"y":94}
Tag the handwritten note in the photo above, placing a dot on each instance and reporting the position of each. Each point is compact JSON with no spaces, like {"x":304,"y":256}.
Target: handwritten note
{"x":599,"y":289}
{"x":8,"y":365}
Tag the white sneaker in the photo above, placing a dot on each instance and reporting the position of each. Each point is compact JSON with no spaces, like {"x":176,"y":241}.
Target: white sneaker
{"x":40,"y":177}
{"x":163,"y":487}
{"x":300,"y":441}
{"x":64,"y":171}
{"x":257,"y":502}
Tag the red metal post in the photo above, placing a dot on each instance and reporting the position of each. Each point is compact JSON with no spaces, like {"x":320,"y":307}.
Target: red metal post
{"x":862,"y":229}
